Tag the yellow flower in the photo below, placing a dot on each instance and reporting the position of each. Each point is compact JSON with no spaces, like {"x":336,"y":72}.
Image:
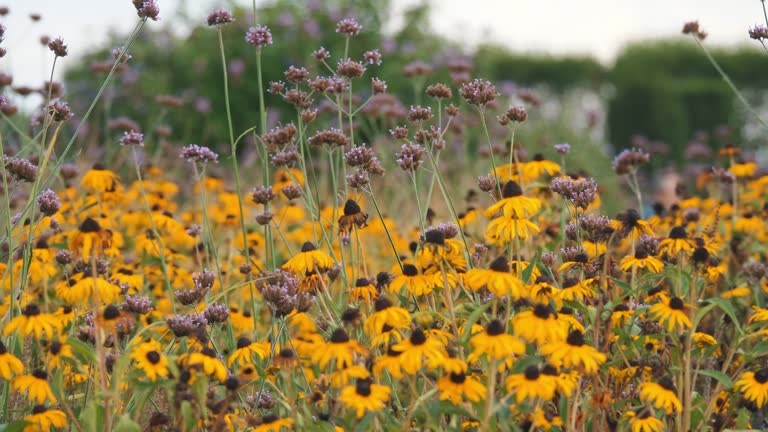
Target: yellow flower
{"x":641,"y":260}
{"x":365,"y":397}
{"x":676,"y":243}
{"x":243,"y":355}
{"x":99,"y":179}
{"x":57,"y":350}
{"x":458,"y":386}
{"x":43,"y":419}
{"x":150,"y":360}
{"x":210,"y":363}
{"x":416,"y":348}
{"x":417,"y":284}
{"x":9,"y":364}
{"x":540,"y":325}
{"x":642,"y":421}
{"x":497,"y":279}
{"x":513,"y":203}
{"x":531,"y":384}
{"x":32,"y":321}
{"x":390,"y":363}
{"x":273,"y":423}
{"x":340,"y":349}
{"x":573,"y":353}
{"x":494,"y":343}
{"x":309,"y":260}
{"x":754,"y":386}
{"x":386,"y":314}
{"x":673,"y":312}
{"x":663,"y":395}
{"x":35,"y":385}
{"x":736,"y":293}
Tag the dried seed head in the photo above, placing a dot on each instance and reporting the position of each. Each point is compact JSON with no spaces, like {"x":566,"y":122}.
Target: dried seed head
{"x":350,"y":69}
{"x":399,"y":132}
{"x":452,"y":110}
{"x":517,"y":114}
{"x":148,"y":9}
{"x":194,"y":153}
{"x":629,"y":160}
{"x":418,"y":113}
{"x":262,"y":194}
{"x":58,"y":47}
{"x":478,"y":92}
{"x":332,"y":138}
{"x":291,"y":191}
{"x":562,"y":148}
{"x":378,"y":86}
{"x":758,"y":32}
{"x":358,"y":179}
{"x":372,"y":57}
{"x":321,"y":54}
{"x":59,"y":110}
{"x":296,"y":75}
{"x":439,"y":91}
{"x":21,"y":170}
{"x":132,"y":138}
{"x":410,"y":157}
{"x":486,"y":183}
{"x":48,"y":202}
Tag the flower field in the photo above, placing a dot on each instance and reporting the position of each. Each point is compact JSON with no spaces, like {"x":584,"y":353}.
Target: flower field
{"x":344,"y":279}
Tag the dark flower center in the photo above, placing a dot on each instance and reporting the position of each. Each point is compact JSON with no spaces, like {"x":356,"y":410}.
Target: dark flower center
{"x":40,"y":374}
{"x":495,"y":328}
{"x":350,"y":315}
{"x":98,"y":167}
{"x":339,"y":336}
{"x":761,"y":376}
{"x":3,"y":349}
{"x":667,"y":384}
{"x":654,"y":291}
{"x":410,"y":270}
{"x":678,"y":233}
{"x":55,"y":347}
{"x":243,"y":342}
{"x":418,"y":337}
{"x":641,"y":254}
{"x":362,"y":282}
{"x":532,"y":373}
{"x":392,"y":353}
{"x":287,"y":353}
{"x":153,"y":357}
{"x":89,"y":225}
{"x":676,"y":303}
{"x":542,"y":311}
{"x":511,"y":190}
{"x":575,"y":338}
{"x":67,"y":309}
{"x":39,"y":409}
{"x":363,"y":387}
{"x":269,"y":418}
{"x":435,"y":236}
{"x":621,"y":308}
{"x":382,"y":303}
{"x":351,"y":208}
{"x":538,"y":157}
{"x":581,"y":257}
{"x":458,"y":378}
{"x":500,"y":264}
{"x":31,"y":310}
{"x":111,"y":312}
{"x":231,"y":383}
{"x":700,"y":255}
{"x":629,"y":218}
{"x":549,"y":369}
{"x":209,"y":352}
{"x":308,"y":247}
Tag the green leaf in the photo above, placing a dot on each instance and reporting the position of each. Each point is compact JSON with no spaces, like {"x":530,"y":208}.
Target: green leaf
{"x":724,"y":379}
{"x":92,"y":417}
{"x":83,"y":349}
{"x":760,"y":349}
{"x":125,"y":424}
{"x":16,"y":426}
{"x":473,"y":318}
{"x":189,"y":417}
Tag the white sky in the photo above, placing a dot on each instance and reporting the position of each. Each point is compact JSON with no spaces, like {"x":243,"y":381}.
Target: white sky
{"x":597,"y":27}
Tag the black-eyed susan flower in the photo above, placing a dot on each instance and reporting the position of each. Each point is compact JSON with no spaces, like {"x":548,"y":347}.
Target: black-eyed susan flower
{"x":273,"y":423}
{"x":365,"y":397}
{"x":643,"y":421}
{"x":494,"y":343}
{"x":540,"y":325}
{"x":415,"y":283}
{"x":759,"y":315}
{"x":208,"y":361}
{"x":574,"y":353}
{"x":503,"y":230}
{"x":35,"y":385}
{"x":352,"y":216}
{"x":739,"y":292}
{"x":10,"y":365}
{"x":57,"y":350}
{"x":673,"y":313}
{"x":662,"y":395}
{"x":538,"y":166}
{"x":418,"y":348}
{"x":150,"y":360}
{"x":33,"y":322}
{"x":629,"y":223}
{"x":386,"y":315}
{"x":620,"y":315}
{"x":754,"y":386}
{"x":44,"y":419}
{"x":99,"y":180}
{"x":531,"y":384}
{"x":390,"y":363}
{"x":340,"y":349}
{"x":641,"y":260}
{"x":513,"y":203}
{"x":309,"y":260}
{"x":676,"y":243}
{"x":497,"y":279}
{"x":91,"y":239}
{"x":577,"y":290}
{"x":245,"y":352}
{"x":456,"y":387}
{"x":364,"y":291}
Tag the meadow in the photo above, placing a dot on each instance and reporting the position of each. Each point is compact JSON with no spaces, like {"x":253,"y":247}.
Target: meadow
{"x":344,"y":265}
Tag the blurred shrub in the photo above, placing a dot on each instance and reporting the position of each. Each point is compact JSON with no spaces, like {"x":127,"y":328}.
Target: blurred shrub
{"x":667,"y":90}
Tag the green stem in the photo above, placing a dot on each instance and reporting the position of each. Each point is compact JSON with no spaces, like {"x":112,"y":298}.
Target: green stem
{"x":490,"y":150}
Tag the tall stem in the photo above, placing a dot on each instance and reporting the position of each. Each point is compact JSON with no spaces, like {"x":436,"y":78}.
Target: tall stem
{"x":490,"y":150}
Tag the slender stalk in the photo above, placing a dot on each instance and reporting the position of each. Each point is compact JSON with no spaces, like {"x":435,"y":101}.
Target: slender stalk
{"x":490,"y":150}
